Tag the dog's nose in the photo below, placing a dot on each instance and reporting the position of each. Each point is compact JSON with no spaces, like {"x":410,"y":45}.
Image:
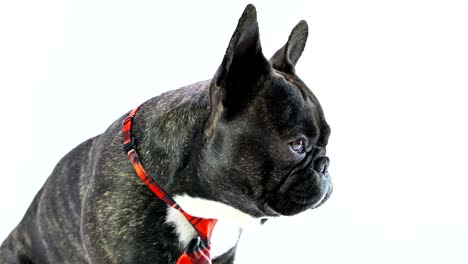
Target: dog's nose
{"x":321,"y":164}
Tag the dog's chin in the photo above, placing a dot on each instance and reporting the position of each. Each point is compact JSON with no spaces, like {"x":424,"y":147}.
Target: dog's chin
{"x":296,"y":201}
{"x":325,"y":197}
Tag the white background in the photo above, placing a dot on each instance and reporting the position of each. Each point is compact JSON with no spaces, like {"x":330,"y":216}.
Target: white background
{"x":392,"y":77}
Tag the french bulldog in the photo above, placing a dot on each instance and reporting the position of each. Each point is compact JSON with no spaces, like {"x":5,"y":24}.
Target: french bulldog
{"x":245,"y":146}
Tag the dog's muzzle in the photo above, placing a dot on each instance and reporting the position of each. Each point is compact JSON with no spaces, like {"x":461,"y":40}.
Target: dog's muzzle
{"x":307,"y":186}
{"x":321,"y":168}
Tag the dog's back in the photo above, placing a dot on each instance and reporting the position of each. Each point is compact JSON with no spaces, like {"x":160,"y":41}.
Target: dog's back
{"x":54,"y":215}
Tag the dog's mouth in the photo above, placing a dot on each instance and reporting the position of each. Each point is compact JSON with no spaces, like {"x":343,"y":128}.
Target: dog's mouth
{"x":269,"y":210}
{"x":296,"y":202}
{"x":308,"y":187}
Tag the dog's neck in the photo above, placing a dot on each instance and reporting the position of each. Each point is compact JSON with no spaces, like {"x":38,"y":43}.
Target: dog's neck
{"x":168,"y":129}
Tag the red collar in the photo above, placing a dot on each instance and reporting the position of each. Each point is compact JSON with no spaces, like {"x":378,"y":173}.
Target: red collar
{"x":198,"y":250}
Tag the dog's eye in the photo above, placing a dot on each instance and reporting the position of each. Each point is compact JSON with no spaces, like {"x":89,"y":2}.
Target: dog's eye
{"x":298,"y":145}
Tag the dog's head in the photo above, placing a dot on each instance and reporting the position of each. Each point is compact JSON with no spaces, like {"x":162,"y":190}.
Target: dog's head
{"x":266,"y":134}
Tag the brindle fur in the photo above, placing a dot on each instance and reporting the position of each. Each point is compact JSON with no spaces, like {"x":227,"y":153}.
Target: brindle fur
{"x":194,"y":140}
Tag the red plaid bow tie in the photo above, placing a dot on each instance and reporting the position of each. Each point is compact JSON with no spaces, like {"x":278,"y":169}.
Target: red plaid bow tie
{"x":198,"y":249}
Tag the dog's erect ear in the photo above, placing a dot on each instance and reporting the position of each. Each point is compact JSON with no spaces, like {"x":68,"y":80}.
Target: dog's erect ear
{"x":243,"y":56}
{"x":243,"y":65}
{"x":286,"y":58}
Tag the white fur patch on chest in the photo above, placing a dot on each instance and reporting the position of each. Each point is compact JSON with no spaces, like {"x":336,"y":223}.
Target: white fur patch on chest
{"x":226,"y":231}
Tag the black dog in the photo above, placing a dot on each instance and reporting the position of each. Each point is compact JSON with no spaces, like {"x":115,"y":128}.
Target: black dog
{"x":240,"y":148}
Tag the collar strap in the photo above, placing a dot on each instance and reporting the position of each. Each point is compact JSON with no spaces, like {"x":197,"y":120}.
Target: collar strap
{"x":197,"y":251}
